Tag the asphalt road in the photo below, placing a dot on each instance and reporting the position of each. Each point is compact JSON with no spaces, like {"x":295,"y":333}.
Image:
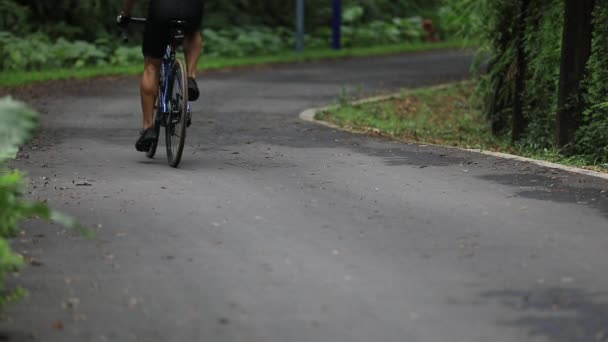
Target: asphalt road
{"x":278,"y":230}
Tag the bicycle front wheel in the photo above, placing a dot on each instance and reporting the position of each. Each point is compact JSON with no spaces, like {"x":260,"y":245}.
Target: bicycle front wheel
{"x":177,"y":120}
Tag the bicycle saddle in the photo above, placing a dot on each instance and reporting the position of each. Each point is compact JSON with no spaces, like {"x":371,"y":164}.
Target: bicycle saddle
{"x":177,"y":30}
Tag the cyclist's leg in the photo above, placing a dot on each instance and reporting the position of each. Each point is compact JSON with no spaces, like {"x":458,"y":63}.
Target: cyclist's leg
{"x":149,"y":93}
{"x":149,"y":89}
{"x":193,"y":46}
{"x":153,"y":49}
{"x":155,"y":40}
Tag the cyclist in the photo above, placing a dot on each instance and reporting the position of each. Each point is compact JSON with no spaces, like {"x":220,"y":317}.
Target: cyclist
{"x":156,"y":38}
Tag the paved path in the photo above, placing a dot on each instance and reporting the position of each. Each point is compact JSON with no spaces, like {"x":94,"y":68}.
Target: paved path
{"x":277,"y":230}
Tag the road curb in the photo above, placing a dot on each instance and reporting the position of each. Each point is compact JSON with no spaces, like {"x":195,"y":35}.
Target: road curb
{"x":310,"y":114}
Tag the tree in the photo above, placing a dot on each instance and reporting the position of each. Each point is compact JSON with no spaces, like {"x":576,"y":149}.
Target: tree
{"x":576,"y":50}
{"x":519,"y":121}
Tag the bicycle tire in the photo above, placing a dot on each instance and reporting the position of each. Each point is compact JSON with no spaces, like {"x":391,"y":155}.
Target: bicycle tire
{"x":152,"y":152}
{"x":177,"y":120}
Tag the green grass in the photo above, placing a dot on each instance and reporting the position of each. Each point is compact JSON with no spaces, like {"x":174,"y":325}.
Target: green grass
{"x":438,"y":115}
{"x":554,"y":156}
{"x":444,"y":115}
{"x":22,"y":78}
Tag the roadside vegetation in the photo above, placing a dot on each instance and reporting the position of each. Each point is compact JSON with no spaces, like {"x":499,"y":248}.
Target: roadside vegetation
{"x":439,"y":115}
{"x":235,"y":34}
{"x":541,"y":85}
{"x":448,"y":115}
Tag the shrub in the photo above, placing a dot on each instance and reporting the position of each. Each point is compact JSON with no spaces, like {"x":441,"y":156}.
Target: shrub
{"x":592,"y":137}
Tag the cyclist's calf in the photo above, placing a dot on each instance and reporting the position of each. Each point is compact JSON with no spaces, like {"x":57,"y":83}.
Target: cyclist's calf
{"x":193,"y":45}
{"x":149,"y":89}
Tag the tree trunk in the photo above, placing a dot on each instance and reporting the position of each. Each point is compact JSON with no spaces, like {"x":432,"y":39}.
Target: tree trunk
{"x":520,"y":123}
{"x":576,"y":50}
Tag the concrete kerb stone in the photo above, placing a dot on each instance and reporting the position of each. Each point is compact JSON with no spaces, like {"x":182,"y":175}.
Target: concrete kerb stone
{"x":310,"y":114}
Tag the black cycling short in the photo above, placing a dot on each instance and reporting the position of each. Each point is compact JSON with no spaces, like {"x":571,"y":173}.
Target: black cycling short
{"x":160,"y":14}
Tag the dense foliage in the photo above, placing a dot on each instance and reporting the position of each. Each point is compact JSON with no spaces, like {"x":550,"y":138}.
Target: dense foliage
{"x":37,"y":51}
{"x":592,"y":138}
{"x":495,"y":23}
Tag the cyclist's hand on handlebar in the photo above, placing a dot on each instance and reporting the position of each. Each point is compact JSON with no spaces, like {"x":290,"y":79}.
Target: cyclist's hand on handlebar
{"x":123,"y":20}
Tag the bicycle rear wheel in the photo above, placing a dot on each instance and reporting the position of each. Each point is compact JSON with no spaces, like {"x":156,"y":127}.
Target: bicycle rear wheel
{"x":177,"y":120}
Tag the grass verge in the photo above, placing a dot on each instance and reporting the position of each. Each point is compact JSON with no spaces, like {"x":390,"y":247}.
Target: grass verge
{"x":444,"y":115}
{"x":22,"y":78}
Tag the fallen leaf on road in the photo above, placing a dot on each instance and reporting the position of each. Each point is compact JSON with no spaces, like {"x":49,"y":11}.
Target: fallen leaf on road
{"x":567,"y":280}
{"x":80,"y":317}
{"x":71,"y":303}
{"x":58,"y":325}
{"x":36,"y":263}
{"x":133,"y":303}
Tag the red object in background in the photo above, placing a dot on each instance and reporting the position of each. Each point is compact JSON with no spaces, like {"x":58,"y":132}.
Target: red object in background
{"x":429,"y":28}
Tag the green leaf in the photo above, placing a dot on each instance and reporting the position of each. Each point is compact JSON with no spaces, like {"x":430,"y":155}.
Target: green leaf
{"x":602,"y":105}
{"x":353,"y":14}
{"x":17,"y":124}
{"x":69,"y":222}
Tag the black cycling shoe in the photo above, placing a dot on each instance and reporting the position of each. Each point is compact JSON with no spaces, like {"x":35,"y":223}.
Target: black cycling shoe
{"x":193,"y":93}
{"x":145,"y":141}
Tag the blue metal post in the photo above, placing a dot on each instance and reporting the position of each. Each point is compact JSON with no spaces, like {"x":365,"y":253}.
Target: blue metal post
{"x":300,"y":25}
{"x":337,"y":25}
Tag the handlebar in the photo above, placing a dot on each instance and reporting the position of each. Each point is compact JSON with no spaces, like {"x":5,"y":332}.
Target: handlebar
{"x":132,"y":20}
{"x":138,"y":20}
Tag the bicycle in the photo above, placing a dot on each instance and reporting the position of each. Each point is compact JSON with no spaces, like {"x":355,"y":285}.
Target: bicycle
{"x":173,"y":111}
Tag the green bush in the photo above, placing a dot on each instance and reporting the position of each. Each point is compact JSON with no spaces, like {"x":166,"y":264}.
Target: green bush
{"x":37,"y":51}
{"x":592,"y":137}
{"x":246,"y":41}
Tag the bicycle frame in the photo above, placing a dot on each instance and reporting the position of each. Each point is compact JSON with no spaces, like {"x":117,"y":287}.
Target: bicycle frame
{"x":165,"y":78}
{"x":166,"y":81}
